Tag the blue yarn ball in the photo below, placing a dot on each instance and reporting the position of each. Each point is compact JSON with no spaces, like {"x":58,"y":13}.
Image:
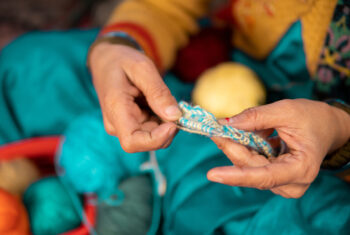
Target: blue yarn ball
{"x":91,"y":161}
{"x":50,"y":207}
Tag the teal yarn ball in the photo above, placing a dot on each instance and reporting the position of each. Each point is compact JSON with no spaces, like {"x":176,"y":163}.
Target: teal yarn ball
{"x":91,"y":161}
{"x":50,"y":207}
{"x":134,"y":215}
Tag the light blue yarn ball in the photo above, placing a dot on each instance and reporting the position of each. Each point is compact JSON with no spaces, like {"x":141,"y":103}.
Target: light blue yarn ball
{"x":91,"y":161}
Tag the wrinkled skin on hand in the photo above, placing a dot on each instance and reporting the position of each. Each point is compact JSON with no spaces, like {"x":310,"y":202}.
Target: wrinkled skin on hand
{"x":131,"y":91}
{"x":311,"y":129}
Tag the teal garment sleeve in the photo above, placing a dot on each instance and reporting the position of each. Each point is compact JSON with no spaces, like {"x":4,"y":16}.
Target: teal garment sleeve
{"x":284,"y":71}
{"x":44,"y":83}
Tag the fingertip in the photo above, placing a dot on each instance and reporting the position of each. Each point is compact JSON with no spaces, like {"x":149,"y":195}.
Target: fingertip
{"x":172,"y":112}
{"x":213,"y":175}
{"x":224,"y":121}
{"x":164,"y":131}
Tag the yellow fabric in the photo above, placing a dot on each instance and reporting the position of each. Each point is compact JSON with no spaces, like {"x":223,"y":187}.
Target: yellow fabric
{"x":168,"y":22}
{"x":315,"y":25}
{"x":260,"y":24}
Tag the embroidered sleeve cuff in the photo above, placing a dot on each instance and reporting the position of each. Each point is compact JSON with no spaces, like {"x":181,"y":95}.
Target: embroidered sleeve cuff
{"x":140,"y":35}
{"x":341,"y":157}
{"x":120,"y":38}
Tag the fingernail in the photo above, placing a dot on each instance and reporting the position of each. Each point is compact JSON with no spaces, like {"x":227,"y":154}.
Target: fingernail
{"x":224,"y":121}
{"x":172,"y":130}
{"x":233,"y":119}
{"x":173,"y":112}
{"x":216,"y":179}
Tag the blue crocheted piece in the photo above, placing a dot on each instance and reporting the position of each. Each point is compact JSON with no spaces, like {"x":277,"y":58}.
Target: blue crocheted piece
{"x":197,"y":120}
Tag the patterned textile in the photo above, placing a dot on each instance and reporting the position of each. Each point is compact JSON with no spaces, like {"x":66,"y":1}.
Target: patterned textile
{"x":333,"y":75}
{"x":197,"y":120}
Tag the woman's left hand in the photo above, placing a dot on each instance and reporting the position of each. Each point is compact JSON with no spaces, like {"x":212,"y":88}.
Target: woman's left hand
{"x":311,"y":129}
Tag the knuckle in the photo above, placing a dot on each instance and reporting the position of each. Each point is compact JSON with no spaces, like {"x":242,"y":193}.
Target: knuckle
{"x":265,"y":186}
{"x":268,"y":182}
{"x":109,"y":129}
{"x":144,"y":64}
{"x":159,"y":92}
{"x":296,"y":195}
{"x":309,"y":176}
{"x":251,"y":113}
{"x":127,"y":145}
{"x":108,"y":126}
{"x":306,"y":168}
{"x":293,"y":106}
{"x":141,"y":65}
{"x":108,"y":101}
{"x":287,"y":102}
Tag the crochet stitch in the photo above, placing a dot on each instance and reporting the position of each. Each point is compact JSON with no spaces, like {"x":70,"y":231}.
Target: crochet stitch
{"x":199,"y":121}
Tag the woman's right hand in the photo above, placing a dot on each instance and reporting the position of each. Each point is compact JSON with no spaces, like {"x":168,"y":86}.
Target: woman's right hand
{"x":121,"y":76}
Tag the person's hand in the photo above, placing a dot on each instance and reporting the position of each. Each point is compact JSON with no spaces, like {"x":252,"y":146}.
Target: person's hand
{"x":127,"y":82}
{"x":310,"y":129}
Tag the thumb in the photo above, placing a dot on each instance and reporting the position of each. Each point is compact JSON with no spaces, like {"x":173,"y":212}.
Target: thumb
{"x":259,"y":118}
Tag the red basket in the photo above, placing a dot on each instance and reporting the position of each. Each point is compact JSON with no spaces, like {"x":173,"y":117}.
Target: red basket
{"x":42,"y":151}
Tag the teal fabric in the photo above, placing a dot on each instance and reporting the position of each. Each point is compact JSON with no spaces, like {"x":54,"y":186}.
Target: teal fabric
{"x":284,"y":71}
{"x":193,"y":205}
{"x":44,"y":83}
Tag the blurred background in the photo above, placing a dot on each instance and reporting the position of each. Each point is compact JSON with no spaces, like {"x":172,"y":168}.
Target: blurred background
{"x":20,"y":16}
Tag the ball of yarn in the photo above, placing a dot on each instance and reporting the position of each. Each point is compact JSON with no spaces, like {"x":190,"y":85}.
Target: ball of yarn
{"x":89,"y":154}
{"x":13,"y":216}
{"x":17,"y":174}
{"x":50,"y":207}
{"x":134,"y":215}
{"x":228,"y":89}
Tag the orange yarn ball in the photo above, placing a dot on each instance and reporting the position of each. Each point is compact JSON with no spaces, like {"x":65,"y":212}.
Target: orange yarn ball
{"x":13,"y":216}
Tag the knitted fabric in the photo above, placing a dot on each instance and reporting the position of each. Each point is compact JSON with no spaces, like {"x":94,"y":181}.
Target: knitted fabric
{"x":199,"y":121}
